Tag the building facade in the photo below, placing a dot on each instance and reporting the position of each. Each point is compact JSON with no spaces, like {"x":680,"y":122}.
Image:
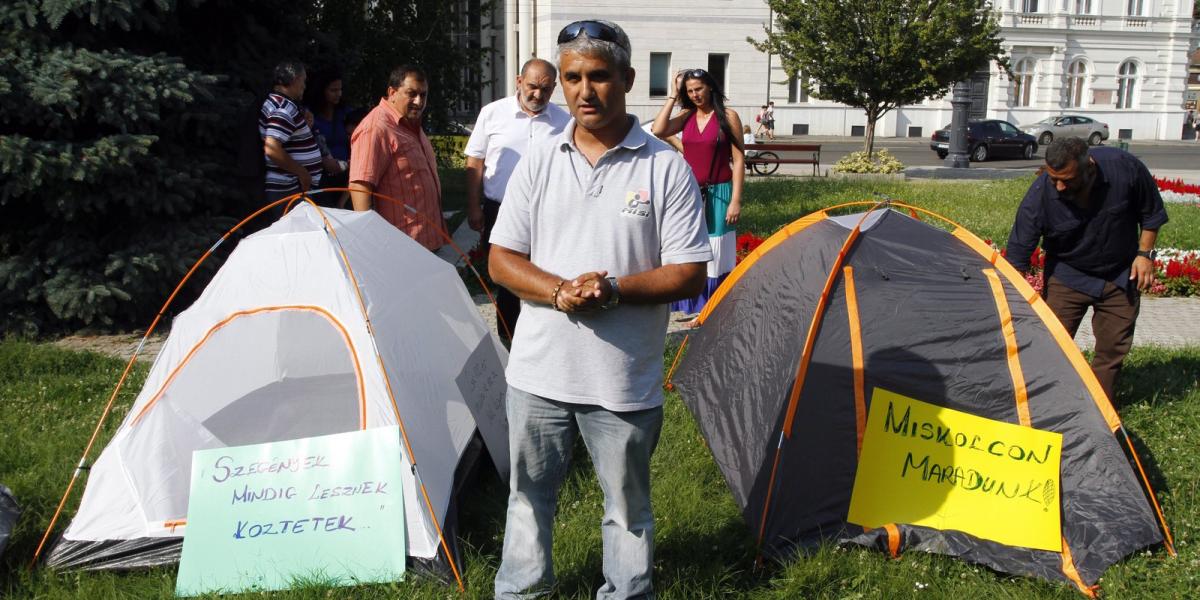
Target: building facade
{"x":1124,"y":62}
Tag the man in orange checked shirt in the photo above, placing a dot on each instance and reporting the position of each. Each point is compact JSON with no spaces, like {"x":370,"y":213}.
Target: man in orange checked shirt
{"x":390,"y":155}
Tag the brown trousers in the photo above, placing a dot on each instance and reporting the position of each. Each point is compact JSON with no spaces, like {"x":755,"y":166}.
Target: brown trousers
{"x":508,"y":305}
{"x":1114,"y":314}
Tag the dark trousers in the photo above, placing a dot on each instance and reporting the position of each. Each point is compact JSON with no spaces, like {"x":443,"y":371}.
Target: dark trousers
{"x":1114,"y":314}
{"x":507,"y":303}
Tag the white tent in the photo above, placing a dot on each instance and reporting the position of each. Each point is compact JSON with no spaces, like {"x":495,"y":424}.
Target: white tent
{"x":327,"y":321}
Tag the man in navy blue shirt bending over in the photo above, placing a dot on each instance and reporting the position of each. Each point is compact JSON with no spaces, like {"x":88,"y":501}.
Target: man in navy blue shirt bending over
{"x":1096,"y":213}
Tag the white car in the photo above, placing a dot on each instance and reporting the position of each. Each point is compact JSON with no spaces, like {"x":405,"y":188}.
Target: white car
{"x":1049,"y":128}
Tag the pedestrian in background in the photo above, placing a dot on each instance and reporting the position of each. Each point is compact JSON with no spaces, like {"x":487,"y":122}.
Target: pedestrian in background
{"x":713,"y":147}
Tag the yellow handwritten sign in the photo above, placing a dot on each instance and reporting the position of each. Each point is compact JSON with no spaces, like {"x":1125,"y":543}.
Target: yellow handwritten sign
{"x":922,"y":464}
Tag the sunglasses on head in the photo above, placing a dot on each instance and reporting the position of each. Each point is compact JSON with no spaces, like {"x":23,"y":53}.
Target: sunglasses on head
{"x":594,"y":30}
{"x":696,"y":73}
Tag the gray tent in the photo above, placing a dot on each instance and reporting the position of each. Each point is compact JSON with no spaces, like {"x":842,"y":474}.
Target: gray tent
{"x":829,"y":309}
{"x":9,"y":512}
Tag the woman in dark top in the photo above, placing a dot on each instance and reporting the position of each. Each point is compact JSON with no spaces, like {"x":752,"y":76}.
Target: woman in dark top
{"x":323,"y":97}
{"x":712,"y":145}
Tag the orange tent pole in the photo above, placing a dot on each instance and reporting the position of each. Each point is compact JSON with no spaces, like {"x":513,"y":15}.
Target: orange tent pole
{"x":129,"y":367}
{"x":806,"y":358}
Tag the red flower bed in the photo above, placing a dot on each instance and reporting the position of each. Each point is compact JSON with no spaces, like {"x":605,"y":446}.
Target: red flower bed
{"x":1177,"y":186}
{"x":1177,"y":273}
{"x":1177,"y":276}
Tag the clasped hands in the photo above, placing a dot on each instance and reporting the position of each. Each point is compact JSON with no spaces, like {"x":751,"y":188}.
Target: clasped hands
{"x":585,"y":293}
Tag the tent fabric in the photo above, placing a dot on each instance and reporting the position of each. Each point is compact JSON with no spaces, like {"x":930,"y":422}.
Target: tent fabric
{"x":325,"y":322}
{"x":10,"y":511}
{"x":927,"y":325}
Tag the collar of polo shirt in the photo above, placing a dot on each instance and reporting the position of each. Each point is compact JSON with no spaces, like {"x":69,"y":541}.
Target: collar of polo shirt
{"x":634,"y":139}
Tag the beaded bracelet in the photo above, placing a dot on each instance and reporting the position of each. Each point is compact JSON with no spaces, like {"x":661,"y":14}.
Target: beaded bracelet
{"x":554,"y":295}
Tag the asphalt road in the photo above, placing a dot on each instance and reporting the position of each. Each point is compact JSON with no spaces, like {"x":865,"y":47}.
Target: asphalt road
{"x":916,"y":153}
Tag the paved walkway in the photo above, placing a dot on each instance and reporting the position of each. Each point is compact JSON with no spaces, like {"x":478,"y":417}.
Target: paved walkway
{"x":1164,"y":322}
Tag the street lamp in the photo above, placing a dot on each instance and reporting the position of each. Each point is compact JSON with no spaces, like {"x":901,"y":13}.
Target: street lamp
{"x":957,"y":158}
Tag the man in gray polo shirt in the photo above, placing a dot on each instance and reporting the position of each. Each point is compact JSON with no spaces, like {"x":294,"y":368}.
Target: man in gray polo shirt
{"x":598,"y":231}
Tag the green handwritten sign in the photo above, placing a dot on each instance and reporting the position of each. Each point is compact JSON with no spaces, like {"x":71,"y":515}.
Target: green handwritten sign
{"x":325,"y":509}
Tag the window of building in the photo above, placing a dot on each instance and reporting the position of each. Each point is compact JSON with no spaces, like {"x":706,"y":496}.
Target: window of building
{"x":1029,"y":6}
{"x":1076,"y":79}
{"x":717,"y":64}
{"x":660,"y":73}
{"x":797,"y":91}
{"x":1083,"y":7}
{"x":1023,"y":82}
{"x":1136,"y":8}
{"x":1126,"y":84}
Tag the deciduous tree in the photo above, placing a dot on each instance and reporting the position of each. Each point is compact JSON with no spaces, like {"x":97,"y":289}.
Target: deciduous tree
{"x":878,"y":55}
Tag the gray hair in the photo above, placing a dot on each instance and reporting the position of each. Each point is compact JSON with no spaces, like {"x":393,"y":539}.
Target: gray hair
{"x":543,"y":64}
{"x":1064,"y":151}
{"x":612,"y":53}
{"x":286,"y":72}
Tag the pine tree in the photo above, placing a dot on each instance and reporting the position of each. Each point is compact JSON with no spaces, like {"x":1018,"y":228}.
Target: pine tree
{"x":127,"y":146}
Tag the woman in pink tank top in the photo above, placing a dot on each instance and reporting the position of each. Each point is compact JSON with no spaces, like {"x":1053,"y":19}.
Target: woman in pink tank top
{"x":712,"y":146}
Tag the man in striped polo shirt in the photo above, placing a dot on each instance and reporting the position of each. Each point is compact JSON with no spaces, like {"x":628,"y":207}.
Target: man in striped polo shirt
{"x":293,"y":158}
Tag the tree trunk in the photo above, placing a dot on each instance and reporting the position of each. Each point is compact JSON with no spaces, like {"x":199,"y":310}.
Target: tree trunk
{"x":873,"y":114}
{"x":869,"y":143}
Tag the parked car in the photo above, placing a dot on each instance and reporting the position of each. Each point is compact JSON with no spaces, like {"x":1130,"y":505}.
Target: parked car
{"x":1070,"y":126}
{"x":988,"y":138}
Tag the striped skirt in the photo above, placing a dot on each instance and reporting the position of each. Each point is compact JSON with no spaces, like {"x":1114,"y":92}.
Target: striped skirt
{"x":722,"y":238}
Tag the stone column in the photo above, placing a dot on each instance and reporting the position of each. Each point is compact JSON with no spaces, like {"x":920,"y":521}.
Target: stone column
{"x":512,"y":58}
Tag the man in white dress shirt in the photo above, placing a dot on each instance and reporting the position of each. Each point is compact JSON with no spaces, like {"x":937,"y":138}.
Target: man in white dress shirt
{"x":503,"y":133}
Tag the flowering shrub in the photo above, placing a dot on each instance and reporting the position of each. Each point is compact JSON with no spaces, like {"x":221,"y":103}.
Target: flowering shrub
{"x":859,"y":162}
{"x":746,"y":243}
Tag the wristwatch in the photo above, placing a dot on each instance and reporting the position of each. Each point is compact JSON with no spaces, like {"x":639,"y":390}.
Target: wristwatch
{"x":1150,"y":254}
{"x":614,"y":297}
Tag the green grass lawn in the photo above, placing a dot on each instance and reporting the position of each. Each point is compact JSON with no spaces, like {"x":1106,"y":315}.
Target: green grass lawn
{"x":51,"y":398}
{"x":704,"y":550}
{"x":986,"y":208}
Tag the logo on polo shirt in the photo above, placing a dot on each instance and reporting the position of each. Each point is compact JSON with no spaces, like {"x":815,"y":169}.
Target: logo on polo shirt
{"x":637,"y":204}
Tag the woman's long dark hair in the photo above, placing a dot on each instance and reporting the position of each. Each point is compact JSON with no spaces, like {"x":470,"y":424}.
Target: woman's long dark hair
{"x":716,"y":96}
{"x":314,"y":92}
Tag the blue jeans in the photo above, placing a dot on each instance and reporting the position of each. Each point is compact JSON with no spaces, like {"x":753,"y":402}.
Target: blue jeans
{"x":541,"y":435}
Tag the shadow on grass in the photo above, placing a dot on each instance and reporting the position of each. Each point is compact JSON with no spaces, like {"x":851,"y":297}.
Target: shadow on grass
{"x":1151,"y":380}
{"x":689,"y":563}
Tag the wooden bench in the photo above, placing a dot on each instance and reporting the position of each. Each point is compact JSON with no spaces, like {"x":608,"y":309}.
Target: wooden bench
{"x":814,"y":158}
